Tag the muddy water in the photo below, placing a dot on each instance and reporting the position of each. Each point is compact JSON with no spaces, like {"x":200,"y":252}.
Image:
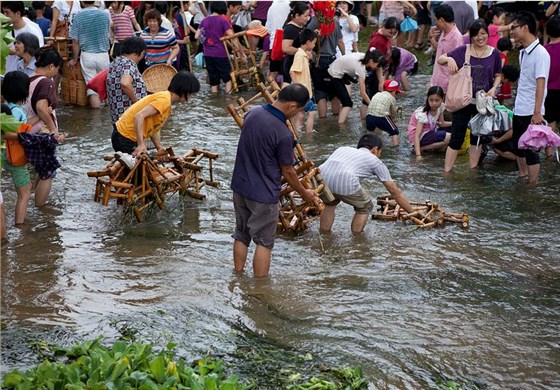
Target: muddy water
{"x":479,"y":306}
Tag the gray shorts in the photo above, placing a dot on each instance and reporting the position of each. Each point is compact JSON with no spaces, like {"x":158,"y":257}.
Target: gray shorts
{"x":254,"y":220}
{"x":361,"y":201}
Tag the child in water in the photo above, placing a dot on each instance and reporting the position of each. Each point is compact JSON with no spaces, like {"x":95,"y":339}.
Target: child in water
{"x":382,"y":109}
{"x":426,"y":123}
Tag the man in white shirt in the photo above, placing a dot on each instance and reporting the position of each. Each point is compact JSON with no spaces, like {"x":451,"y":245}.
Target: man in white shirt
{"x":343,"y":171}
{"x":15,"y":10}
{"x":534,"y":62}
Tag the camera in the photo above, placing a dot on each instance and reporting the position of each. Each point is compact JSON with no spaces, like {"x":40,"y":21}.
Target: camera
{"x":337,"y":13}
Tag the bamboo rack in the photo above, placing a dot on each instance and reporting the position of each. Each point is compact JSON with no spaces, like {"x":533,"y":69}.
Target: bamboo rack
{"x":242,"y":60}
{"x":295,"y":215}
{"x":151,"y":179}
{"x":425,"y":215}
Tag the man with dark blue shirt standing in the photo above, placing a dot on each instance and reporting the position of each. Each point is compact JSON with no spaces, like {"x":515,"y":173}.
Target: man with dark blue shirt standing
{"x":265,"y":153}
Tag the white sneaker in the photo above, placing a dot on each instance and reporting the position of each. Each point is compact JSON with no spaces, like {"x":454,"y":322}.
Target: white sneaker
{"x":481,"y":102}
{"x":429,"y":50}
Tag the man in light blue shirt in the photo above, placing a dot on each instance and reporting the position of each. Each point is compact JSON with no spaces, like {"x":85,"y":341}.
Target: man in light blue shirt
{"x":90,"y":36}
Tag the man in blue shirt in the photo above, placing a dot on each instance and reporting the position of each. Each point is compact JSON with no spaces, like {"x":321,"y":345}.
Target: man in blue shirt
{"x":265,"y":153}
{"x":90,"y":39}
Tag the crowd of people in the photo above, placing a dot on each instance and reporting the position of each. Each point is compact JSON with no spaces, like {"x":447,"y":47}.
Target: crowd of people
{"x":315,"y":66}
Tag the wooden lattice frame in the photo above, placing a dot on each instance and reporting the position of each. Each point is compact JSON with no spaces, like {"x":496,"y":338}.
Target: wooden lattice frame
{"x":242,"y":60}
{"x":295,"y":214}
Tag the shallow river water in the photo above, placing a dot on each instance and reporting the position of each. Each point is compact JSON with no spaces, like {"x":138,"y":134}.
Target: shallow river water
{"x":480,"y":305}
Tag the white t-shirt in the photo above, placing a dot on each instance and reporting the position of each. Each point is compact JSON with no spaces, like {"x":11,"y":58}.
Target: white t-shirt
{"x":534,"y":63}
{"x":166,"y":23}
{"x":344,"y":169}
{"x":30,"y":27}
{"x":348,"y":36}
{"x":64,"y":9}
{"x":348,"y":64}
{"x":276,"y":16}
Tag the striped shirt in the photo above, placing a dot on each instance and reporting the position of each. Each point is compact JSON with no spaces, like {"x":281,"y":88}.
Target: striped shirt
{"x":122,"y":23}
{"x":91,"y":29}
{"x":346,"y":166}
{"x":158,"y":47}
{"x":382,"y":104}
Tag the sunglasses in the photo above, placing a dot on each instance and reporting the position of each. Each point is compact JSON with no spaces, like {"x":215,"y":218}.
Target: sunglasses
{"x":514,"y":26}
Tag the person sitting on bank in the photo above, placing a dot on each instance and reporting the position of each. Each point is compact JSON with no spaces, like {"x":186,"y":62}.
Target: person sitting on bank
{"x":145,"y":118}
{"x":343,"y":171}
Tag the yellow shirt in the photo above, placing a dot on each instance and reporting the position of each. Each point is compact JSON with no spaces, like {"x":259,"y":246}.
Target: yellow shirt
{"x":301,"y":71}
{"x":161,"y":101}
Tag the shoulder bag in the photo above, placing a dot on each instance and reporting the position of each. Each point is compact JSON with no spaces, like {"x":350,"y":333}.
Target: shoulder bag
{"x":459,"y":90}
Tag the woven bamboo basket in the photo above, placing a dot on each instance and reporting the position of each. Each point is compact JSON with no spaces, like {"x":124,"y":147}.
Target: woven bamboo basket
{"x":74,"y":92}
{"x":62,"y":45}
{"x":72,"y":72}
{"x":158,"y":77}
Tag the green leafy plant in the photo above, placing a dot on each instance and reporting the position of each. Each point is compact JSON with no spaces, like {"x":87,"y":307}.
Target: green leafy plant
{"x":91,"y":365}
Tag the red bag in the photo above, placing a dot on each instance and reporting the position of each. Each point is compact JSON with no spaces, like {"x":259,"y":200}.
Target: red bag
{"x":99,"y":84}
{"x":15,"y":153}
{"x":276,"y":53}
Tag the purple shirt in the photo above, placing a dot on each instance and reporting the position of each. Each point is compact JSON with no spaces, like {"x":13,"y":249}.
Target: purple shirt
{"x":212,"y":29}
{"x":261,"y":10}
{"x":264,"y":146}
{"x":406,"y":64}
{"x":483,"y":70}
{"x":554,"y":76}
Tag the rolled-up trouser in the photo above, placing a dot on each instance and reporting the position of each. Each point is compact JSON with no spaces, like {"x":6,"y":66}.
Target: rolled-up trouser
{"x":460,"y":120}
{"x":520,"y":125}
{"x":92,"y":64}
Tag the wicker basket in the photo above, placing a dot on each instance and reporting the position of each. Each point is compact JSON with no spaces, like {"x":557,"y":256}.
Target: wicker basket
{"x":62,"y":45}
{"x":72,"y":72}
{"x":74,"y":91}
{"x":158,"y":77}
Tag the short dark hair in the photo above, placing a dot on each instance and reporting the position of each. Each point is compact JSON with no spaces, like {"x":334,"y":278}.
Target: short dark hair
{"x":510,"y":72}
{"x":553,"y":26}
{"x":14,"y":6}
{"x":133,"y":45}
{"x":219,"y":7}
{"x":445,"y":12}
{"x":30,"y":42}
{"x":307,"y":35}
{"x":494,"y":11}
{"x":15,"y":86}
{"x":152,"y":14}
{"x":162,"y":7}
{"x":183,"y":84}
{"x":525,"y":18}
{"x":476,"y":26}
{"x":504,"y":44}
{"x":375,"y":55}
{"x":234,"y":3}
{"x":46,"y":56}
{"x":294,"y":93}
{"x":370,"y":141}
{"x":38,"y":4}
{"x":391,"y":23}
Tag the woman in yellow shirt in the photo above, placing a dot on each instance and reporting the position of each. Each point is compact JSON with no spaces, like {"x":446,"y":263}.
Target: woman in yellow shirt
{"x":147,"y":116}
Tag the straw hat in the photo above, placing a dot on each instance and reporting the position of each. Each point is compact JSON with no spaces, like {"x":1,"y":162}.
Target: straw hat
{"x":256,"y":29}
{"x":157,"y":77}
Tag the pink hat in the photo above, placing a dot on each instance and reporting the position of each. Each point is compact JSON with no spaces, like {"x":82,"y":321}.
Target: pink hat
{"x":391,"y":85}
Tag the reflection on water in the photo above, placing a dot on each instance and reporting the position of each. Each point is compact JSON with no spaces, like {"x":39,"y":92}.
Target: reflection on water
{"x":478,"y":305}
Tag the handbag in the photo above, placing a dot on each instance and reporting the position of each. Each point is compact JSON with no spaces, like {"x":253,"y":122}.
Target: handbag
{"x":409,"y":24}
{"x":15,"y":153}
{"x":537,"y":137}
{"x":276,"y":53}
{"x":459,"y":90}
